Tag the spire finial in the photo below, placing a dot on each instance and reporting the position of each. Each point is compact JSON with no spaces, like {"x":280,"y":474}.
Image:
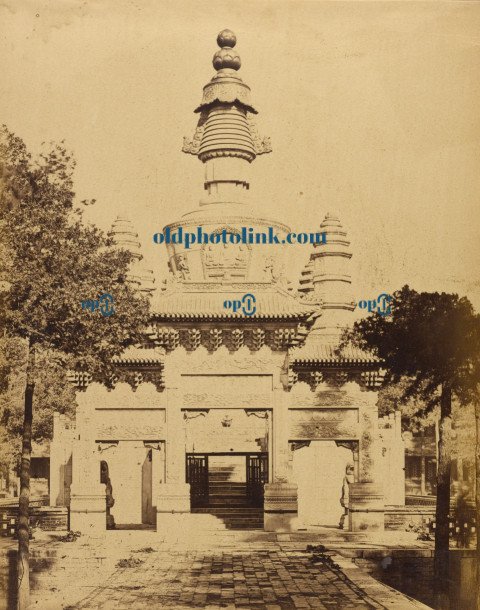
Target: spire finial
{"x":226,"y":57}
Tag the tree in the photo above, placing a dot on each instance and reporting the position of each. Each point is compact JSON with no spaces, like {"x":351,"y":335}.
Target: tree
{"x":52,"y":261}
{"x":477,"y":486}
{"x":53,"y":394}
{"x":434,"y":340}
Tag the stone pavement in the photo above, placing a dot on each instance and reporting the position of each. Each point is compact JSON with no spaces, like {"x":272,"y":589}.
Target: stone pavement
{"x":244,"y":570}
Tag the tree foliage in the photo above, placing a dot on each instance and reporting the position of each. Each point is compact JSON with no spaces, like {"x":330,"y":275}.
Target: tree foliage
{"x":430,"y":339}
{"x":53,"y":394}
{"x":51,"y":261}
{"x":54,"y":260}
{"x":432,"y":342}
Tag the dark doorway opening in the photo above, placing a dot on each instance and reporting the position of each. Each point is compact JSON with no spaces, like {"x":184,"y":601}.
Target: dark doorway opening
{"x":229,"y":486}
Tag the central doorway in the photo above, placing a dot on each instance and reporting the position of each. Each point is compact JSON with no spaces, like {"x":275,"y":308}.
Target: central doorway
{"x":229,"y":486}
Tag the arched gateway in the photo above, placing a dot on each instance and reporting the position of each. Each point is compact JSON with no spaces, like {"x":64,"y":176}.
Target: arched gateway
{"x":226,"y":418}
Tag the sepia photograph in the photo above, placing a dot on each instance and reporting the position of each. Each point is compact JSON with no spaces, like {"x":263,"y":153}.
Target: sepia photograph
{"x":239,"y":305}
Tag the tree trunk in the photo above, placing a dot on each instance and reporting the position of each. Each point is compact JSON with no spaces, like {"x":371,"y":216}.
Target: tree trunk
{"x":23,"y":528}
{"x":477,"y":492}
{"x":441,"y":560}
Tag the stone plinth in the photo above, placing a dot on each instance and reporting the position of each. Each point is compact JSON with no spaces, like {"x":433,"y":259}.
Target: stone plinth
{"x":88,"y":511}
{"x":280,"y":507}
{"x":172,"y":498}
{"x":366,"y":507}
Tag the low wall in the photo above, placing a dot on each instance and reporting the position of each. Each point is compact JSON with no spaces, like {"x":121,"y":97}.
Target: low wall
{"x":50,"y":518}
{"x":411,"y":572}
{"x":400,"y":517}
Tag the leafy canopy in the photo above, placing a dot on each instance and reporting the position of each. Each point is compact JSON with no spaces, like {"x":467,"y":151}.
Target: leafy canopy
{"x":432,"y":339}
{"x":54,"y":260}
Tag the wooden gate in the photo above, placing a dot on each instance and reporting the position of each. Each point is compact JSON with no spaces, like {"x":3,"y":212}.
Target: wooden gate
{"x":197,"y":476}
{"x":257,"y":476}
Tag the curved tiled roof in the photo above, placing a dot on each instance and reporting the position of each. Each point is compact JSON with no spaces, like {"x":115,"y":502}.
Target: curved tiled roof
{"x":139,"y":355}
{"x":326,"y":354}
{"x":269,"y":304}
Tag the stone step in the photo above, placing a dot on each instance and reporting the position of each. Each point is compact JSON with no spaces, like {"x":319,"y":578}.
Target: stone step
{"x":227,"y":483}
{"x":236,"y":501}
{"x":243,"y":525}
{"x":222,"y":487}
{"x":227,"y":495}
{"x":229,"y":510}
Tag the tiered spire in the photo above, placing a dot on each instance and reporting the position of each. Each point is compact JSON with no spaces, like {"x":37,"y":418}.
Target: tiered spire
{"x":125,"y":237}
{"x":326,"y":279}
{"x":226,"y":127}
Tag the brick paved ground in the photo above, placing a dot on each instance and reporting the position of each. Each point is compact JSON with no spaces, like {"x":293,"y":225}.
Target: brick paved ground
{"x":262,"y":579}
{"x":255,"y":570}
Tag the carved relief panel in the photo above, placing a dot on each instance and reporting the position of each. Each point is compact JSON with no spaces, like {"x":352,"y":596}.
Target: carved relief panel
{"x":324,"y":424}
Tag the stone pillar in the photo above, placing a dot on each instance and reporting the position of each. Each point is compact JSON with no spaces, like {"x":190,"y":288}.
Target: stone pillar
{"x":158,"y":472}
{"x":280,"y":496}
{"x":87,"y":497}
{"x":57,"y":464}
{"x":366,"y":503}
{"x":173,"y":496}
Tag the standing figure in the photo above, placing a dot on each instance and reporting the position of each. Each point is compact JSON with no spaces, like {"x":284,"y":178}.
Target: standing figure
{"x":110,"y":501}
{"x":344,"y":500}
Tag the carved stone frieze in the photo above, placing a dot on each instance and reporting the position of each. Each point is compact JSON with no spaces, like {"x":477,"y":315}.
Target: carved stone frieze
{"x":182,"y":267}
{"x":372,"y":380}
{"x":292,"y":378}
{"x":226,"y":260}
{"x":164,"y":336}
{"x":211,"y":399}
{"x":257,"y":338}
{"x":130,"y":431}
{"x":193,"y":338}
{"x":262,"y":145}
{"x":106,"y":445}
{"x":192,"y":145}
{"x":235,"y":339}
{"x":193,"y":414}
{"x":261,"y":414}
{"x":323,"y":424}
{"x":215,"y":336}
{"x":201,"y":361}
{"x":139,"y":375}
{"x":281,"y":338}
{"x":296,"y":445}
{"x":352,"y":445}
{"x":80,"y":379}
{"x":156,"y":445}
{"x":226,"y":94}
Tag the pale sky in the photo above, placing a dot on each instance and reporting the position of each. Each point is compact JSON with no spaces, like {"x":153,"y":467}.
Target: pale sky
{"x":373,"y":109}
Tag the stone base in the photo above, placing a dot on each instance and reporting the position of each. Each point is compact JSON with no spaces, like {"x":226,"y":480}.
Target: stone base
{"x":281,"y":507}
{"x":88,"y":513}
{"x":366,"y":509}
{"x":187,"y":526}
{"x":172,"y":498}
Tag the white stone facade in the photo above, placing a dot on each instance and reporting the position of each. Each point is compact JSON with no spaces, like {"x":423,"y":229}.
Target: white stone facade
{"x":215,"y":387}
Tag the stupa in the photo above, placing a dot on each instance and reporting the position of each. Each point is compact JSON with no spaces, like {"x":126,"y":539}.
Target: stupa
{"x":224,"y":418}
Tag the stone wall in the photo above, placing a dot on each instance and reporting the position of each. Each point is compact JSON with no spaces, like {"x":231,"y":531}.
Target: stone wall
{"x":400,"y":517}
{"x":44,"y":517}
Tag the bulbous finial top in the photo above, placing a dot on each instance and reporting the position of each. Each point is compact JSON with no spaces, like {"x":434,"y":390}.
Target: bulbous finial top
{"x":226,"y":38}
{"x":226,"y":57}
